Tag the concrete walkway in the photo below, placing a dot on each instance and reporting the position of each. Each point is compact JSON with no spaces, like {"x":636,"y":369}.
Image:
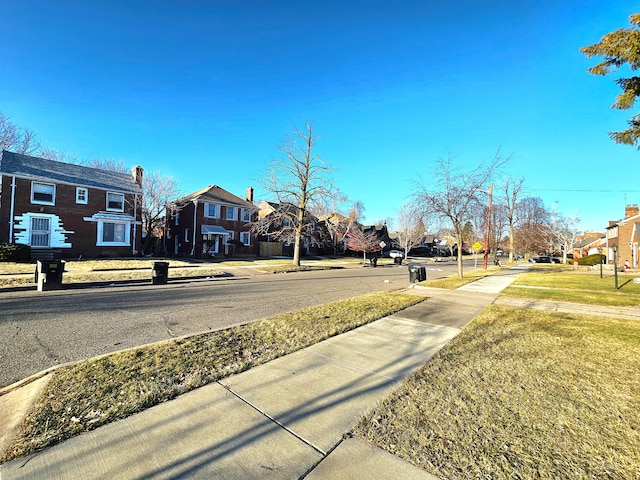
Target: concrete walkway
{"x":286,"y":419}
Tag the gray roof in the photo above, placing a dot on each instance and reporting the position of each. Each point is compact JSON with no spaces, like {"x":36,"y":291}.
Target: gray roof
{"x":41,"y":169}
{"x":214,"y":193}
{"x":586,"y":241}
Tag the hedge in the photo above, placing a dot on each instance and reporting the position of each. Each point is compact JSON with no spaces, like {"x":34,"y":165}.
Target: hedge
{"x":14,"y":252}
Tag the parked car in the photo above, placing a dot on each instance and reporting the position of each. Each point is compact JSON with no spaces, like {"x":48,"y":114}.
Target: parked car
{"x":396,"y":254}
{"x":545,"y":259}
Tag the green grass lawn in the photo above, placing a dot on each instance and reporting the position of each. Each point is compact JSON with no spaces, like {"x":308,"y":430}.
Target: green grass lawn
{"x":521,"y":394}
{"x":575,"y":286}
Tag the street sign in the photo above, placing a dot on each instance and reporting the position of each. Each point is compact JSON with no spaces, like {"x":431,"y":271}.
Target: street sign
{"x":477,"y":246}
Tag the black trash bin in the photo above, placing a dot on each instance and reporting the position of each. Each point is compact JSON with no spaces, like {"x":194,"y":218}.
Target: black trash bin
{"x":417,"y":273}
{"x":160,"y":273}
{"x":49,"y":275}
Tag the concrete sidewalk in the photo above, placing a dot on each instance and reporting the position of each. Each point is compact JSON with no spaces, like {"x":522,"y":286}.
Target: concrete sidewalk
{"x":286,"y":419}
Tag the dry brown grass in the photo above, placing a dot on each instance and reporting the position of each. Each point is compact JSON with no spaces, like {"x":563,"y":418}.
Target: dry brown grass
{"x":88,"y":394}
{"x":521,"y":394}
{"x":454,"y":281}
{"x":105,"y":271}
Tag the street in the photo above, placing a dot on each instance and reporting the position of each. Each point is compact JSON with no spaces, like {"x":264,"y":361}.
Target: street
{"x":39,"y":330}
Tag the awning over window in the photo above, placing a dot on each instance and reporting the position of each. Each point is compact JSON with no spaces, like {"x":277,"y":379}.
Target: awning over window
{"x":109,"y":217}
{"x":213,"y":230}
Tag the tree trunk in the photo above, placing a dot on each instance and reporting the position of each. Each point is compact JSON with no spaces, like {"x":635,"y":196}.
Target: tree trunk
{"x":510,"y":243}
{"x":296,"y":249}
{"x":460,"y":271}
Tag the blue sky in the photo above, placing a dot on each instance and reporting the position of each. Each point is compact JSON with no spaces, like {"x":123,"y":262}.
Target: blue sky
{"x":205,"y":91}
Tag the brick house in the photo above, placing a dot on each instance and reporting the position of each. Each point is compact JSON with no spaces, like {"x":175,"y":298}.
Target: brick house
{"x":68,"y":211}
{"x":623,"y":235}
{"x":211,"y":222}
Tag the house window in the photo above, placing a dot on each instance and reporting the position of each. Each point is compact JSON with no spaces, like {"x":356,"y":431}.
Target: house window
{"x":43,"y":193}
{"x":232,"y":236}
{"x":177,"y":218}
{"x":114,"y":234}
{"x":286,"y":223}
{"x":245,"y":238}
{"x":82,"y":195}
{"x":115,"y":202}
{"x":40,"y":234}
{"x":211,"y":210}
{"x":231,"y":213}
{"x":246,"y":215}
{"x":186,"y":235}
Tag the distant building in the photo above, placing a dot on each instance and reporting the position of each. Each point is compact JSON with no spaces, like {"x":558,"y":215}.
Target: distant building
{"x":622,"y":235}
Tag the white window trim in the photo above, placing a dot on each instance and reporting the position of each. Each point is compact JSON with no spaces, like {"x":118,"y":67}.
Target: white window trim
{"x":115,"y":209}
{"x":247,"y":236}
{"x":79,"y":200}
{"x":216,"y":210}
{"x":233,"y":212}
{"x":127,"y":234}
{"x":245,"y":215}
{"x":232,"y":235}
{"x":40,"y":202}
{"x":186,"y":235}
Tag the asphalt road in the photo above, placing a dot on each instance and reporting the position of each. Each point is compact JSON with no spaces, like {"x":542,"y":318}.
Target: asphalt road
{"x":39,"y":330}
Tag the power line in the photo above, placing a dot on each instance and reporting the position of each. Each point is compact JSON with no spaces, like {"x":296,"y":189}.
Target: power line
{"x":578,"y":190}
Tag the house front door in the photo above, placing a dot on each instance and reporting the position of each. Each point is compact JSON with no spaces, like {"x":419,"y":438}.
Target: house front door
{"x":40,"y":232}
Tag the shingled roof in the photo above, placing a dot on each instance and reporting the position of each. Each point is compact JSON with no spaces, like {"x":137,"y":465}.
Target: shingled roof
{"x":44,"y":170}
{"x":213,"y":193}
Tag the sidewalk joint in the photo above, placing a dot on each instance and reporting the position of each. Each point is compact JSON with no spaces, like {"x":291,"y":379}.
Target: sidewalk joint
{"x":280,"y":424}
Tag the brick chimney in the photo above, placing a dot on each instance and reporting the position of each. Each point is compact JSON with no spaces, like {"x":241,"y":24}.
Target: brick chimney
{"x":136,"y":173}
{"x":631,"y":211}
{"x":249,"y":194}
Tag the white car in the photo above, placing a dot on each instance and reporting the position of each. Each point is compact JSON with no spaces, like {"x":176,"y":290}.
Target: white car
{"x":396,"y":254}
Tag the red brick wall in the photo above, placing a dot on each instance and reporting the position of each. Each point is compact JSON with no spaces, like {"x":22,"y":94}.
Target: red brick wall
{"x":72,"y":215}
{"x":185,"y":220}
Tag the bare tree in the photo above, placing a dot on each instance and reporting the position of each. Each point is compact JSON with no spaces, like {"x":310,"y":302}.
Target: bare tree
{"x":498,"y":225}
{"x":59,"y":155}
{"x":512,"y":190}
{"x":565,"y":231}
{"x":410,"y":230}
{"x":108,"y":164}
{"x":339,"y":225}
{"x":456,"y":194}
{"x":299,"y":181}
{"x":157,"y":192}
{"x":531,"y":231}
{"x":17,"y":139}
{"x":365,"y":241}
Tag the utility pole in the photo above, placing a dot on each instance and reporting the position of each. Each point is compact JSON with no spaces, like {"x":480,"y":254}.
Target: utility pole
{"x":486,"y":237}
{"x":615,"y":264}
